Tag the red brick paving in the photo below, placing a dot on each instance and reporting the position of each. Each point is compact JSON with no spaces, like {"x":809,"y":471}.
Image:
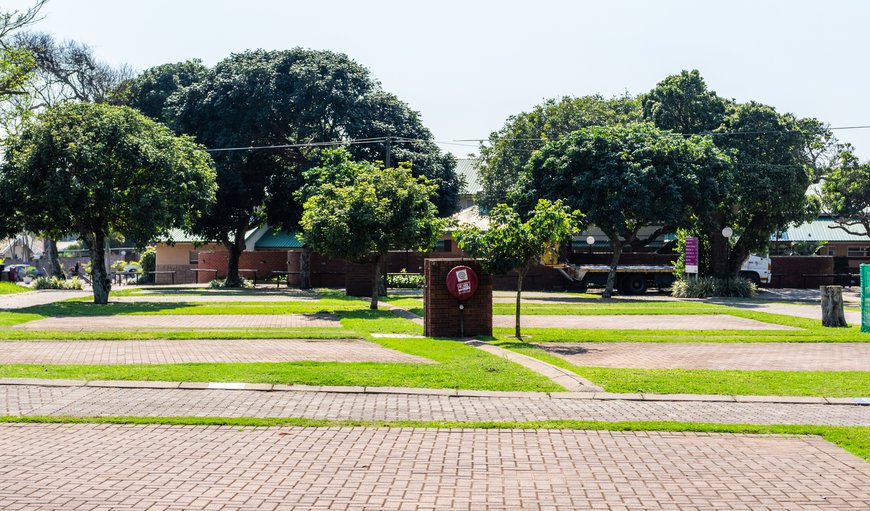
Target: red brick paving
{"x":183,"y":321}
{"x":640,"y":322}
{"x":748,"y":356}
{"x":81,"y":466}
{"x":160,"y":351}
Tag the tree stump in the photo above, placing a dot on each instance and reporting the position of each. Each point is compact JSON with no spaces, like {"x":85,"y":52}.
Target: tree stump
{"x":832,"y":306}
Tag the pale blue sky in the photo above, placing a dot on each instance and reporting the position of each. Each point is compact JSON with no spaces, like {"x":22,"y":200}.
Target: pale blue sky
{"x":467,"y":65}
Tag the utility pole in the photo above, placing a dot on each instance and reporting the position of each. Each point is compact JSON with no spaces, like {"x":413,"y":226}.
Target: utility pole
{"x":388,"y":152}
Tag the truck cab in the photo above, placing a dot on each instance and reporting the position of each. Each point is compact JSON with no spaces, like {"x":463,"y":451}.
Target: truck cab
{"x":757,"y":269}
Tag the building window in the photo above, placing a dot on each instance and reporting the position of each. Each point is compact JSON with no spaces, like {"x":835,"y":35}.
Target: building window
{"x":856,"y":251}
{"x":193,"y":256}
{"x":444,"y":246}
{"x":832,"y":251}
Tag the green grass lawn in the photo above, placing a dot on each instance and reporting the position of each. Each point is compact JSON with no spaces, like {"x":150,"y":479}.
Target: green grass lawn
{"x":8,"y":288}
{"x":705,"y":381}
{"x":855,"y":439}
{"x":457,"y":364}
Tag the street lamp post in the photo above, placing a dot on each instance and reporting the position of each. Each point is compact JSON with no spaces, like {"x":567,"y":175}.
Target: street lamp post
{"x":727,"y":232}
{"x":590,"y":240}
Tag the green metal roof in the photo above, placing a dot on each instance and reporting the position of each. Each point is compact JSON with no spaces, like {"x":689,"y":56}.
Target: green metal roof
{"x":466,"y":168}
{"x":820,"y":229}
{"x":278,"y":239}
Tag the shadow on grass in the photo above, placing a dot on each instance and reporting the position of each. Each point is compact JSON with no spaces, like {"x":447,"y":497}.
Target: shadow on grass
{"x":65,"y":309}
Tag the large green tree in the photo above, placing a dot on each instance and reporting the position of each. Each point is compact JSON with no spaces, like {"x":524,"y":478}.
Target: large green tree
{"x":508,"y":150}
{"x":364,"y":210}
{"x":293,"y":97}
{"x":774,"y":156}
{"x":511,"y":244}
{"x":623,"y":178}
{"x":16,"y":64}
{"x":97,"y":169}
{"x":846,"y":195}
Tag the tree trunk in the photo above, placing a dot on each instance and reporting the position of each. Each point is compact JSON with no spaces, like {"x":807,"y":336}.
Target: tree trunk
{"x":520,"y":275}
{"x":718,"y":246}
{"x":832,"y":306}
{"x":305,"y":268}
{"x":100,"y":280}
{"x":50,"y":249}
{"x":235,"y":249}
{"x":616,"y":246}
{"x":376,"y":281}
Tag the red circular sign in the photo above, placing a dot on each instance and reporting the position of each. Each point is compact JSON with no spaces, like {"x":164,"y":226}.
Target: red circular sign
{"x":461,"y":283}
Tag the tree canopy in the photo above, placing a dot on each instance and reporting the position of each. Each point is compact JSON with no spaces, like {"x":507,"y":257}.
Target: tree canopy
{"x":623,"y":178}
{"x":846,"y":195}
{"x":511,"y":244}
{"x":291,"y":97}
{"x":96,"y":170}
{"x":774,"y":158}
{"x":363,"y":210}
{"x":508,"y":150}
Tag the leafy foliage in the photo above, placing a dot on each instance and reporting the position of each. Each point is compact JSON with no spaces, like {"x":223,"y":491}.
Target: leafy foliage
{"x":846,"y":195}
{"x":262,"y":98}
{"x":97,"y":169}
{"x":623,"y":178}
{"x":510,"y":244}
{"x":365,"y":210}
{"x":57,"y":283}
{"x":508,"y":150}
{"x":704,"y":287}
{"x":774,"y":159}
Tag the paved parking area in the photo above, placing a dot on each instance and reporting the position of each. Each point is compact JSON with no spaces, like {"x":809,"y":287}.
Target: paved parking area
{"x":109,"y":401}
{"x":161,"y":351}
{"x":749,"y":356}
{"x":640,"y":322}
{"x":82,"y":466}
{"x":182,"y":321}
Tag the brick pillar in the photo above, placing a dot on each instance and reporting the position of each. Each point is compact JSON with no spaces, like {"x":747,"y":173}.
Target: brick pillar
{"x":442,"y":310}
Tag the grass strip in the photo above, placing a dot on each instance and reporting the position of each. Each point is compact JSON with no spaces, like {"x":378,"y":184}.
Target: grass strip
{"x":8,"y":288}
{"x":706,"y":381}
{"x":854,"y":439}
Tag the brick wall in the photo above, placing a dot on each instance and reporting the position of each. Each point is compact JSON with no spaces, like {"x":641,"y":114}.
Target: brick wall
{"x":789,"y":271}
{"x":442,"y":310}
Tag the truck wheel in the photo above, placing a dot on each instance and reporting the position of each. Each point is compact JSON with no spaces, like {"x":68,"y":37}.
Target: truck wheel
{"x":634,"y":284}
{"x":752,"y":276}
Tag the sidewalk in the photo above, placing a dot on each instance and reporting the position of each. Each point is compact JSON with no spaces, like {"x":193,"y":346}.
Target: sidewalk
{"x":43,"y":297}
{"x":174,"y":399}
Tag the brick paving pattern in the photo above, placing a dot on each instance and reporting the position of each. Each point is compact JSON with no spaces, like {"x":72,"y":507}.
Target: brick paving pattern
{"x":22,"y":300}
{"x":183,"y":321}
{"x":86,"y":466}
{"x":748,"y":356}
{"x":102,"y":401}
{"x":640,"y":322}
{"x":184,"y":298}
{"x":813,"y":311}
{"x":161,"y":351}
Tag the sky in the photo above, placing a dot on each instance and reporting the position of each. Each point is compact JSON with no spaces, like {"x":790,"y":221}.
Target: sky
{"x":468,"y":65}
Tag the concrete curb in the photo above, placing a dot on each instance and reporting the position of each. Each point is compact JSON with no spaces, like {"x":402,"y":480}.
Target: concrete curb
{"x":596,"y":396}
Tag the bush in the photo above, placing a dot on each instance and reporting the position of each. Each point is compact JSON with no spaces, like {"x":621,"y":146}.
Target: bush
{"x":404,"y":280}
{"x":56,"y":283}
{"x":222,"y":284}
{"x":148,"y":263}
{"x":703,"y":287}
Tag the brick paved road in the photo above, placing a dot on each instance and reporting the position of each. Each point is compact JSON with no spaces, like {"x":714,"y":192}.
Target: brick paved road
{"x":182,"y":321}
{"x":750,"y":356}
{"x":198,"y":350}
{"x":640,"y":322}
{"x":101,"y":401}
{"x":84,"y":466}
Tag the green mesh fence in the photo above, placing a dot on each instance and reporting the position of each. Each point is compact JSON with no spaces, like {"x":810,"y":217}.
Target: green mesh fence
{"x":865,"y":297}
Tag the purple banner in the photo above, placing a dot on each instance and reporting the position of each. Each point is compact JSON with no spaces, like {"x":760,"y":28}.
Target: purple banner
{"x":692,"y":255}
